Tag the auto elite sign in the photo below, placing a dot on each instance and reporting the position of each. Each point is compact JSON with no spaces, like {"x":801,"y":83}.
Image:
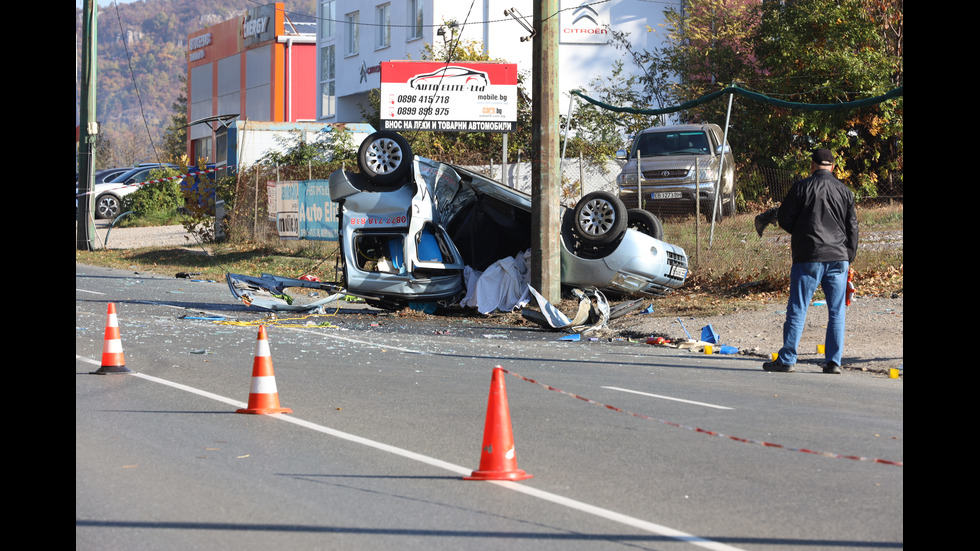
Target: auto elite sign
{"x":448,"y":97}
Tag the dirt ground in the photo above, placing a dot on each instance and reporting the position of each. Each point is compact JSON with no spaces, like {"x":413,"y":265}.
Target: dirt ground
{"x":874,"y":326}
{"x":873,"y":340}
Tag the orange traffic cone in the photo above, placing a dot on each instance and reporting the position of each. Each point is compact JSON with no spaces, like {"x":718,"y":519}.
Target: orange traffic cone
{"x":263,"y":397}
{"x":112,"y":352}
{"x":497,"y":459}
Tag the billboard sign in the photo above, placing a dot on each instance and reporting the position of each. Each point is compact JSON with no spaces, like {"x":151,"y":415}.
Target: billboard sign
{"x":303,"y":210}
{"x":448,"y":97}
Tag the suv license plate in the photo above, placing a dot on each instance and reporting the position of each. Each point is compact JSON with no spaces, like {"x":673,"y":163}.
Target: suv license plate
{"x":666,"y":195}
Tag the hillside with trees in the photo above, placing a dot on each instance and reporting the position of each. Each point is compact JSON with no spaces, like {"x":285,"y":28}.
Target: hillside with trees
{"x":142,"y":62}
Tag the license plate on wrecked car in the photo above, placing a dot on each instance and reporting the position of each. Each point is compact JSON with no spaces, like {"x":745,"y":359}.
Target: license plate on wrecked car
{"x":666,"y":195}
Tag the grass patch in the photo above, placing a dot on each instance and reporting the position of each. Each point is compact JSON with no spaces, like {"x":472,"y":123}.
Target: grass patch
{"x":733,"y":269}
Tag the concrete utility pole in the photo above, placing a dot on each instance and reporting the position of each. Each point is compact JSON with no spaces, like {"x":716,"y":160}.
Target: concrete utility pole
{"x":545,"y":167}
{"x":88,"y":131}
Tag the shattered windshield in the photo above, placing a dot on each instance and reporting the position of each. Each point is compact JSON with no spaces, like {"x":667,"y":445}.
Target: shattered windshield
{"x":444,"y":185}
{"x":657,"y":144}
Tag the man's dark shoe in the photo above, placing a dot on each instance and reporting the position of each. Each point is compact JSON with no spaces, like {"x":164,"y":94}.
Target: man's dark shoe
{"x":831,"y":367}
{"x":777,"y":366}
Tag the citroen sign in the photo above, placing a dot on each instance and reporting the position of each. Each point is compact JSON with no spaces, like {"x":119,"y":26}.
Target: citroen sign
{"x":584,"y":22}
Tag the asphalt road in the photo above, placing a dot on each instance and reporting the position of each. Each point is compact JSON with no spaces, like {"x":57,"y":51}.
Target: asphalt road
{"x":630,"y":446}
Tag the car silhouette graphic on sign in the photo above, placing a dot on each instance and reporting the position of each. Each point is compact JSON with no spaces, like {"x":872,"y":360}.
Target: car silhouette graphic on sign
{"x":449,"y":76}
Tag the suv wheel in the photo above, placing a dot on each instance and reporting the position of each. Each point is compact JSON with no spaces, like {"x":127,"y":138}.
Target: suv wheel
{"x":729,"y":205}
{"x":600,"y":218}
{"x":707,"y":206}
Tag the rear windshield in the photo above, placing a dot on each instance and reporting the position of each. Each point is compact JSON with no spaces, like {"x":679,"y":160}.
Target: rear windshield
{"x":656,"y":144}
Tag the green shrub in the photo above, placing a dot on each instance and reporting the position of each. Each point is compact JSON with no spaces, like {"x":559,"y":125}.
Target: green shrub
{"x":157,"y":198}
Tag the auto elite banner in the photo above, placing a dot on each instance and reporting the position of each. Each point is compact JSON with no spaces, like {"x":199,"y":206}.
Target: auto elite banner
{"x":448,"y":97}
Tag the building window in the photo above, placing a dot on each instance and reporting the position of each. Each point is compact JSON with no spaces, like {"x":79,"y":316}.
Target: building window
{"x":353,"y":33}
{"x":328,"y":78}
{"x":328,"y":15}
{"x":415,"y":19}
{"x":383,"y":26}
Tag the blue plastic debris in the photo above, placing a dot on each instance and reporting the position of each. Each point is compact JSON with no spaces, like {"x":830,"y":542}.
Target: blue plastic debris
{"x":424,"y":307}
{"x":725,"y":349}
{"x":572,"y":337}
{"x":708,"y":334}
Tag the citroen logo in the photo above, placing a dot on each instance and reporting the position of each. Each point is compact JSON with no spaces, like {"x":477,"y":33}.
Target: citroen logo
{"x":585,"y":11}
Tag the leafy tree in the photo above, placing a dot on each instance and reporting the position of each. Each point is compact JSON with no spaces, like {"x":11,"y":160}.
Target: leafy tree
{"x":805,"y":51}
{"x":175,"y":136}
{"x":156,"y":198}
{"x":334,"y":146}
{"x":819,"y":52}
{"x":597,"y":133}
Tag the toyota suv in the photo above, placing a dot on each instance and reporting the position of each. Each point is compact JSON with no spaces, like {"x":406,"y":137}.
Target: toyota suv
{"x":666,"y":175}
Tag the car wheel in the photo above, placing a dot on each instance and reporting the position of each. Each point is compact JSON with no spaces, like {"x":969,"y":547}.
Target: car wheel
{"x":707,"y":207}
{"x":729,"y":206}
{"x":385,"y":158}
{"x":107,"y":206}
{"x":600,"y":218}
{"x":646,"y":222}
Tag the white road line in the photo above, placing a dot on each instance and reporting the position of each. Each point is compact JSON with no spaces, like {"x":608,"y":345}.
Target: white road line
{"x":705,"y":404}
{"x":457,"y":469}
{"x":77,"y":290}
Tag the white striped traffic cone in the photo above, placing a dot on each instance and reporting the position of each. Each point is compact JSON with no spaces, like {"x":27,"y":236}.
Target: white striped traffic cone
{"x":263,"y":397}
{"x":112,"y":352}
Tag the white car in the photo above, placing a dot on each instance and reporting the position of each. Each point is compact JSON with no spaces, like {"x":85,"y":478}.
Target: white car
{"x":410,"y":228}
{"x":108,"y":196}
{"x":474,"y":221}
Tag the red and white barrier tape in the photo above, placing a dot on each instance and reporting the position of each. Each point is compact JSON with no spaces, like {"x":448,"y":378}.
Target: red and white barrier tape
{"x":178,"y":177}
{"x":709,"y":432}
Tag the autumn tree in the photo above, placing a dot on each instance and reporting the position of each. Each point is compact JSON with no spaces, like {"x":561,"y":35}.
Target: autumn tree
{"x":810,"y":52}
{"x":819,"y":52}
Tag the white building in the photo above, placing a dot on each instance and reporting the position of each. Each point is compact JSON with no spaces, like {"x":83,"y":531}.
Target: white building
{"x":355,"y":36}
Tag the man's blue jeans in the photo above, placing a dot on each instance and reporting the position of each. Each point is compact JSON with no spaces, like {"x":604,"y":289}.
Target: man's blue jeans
{"x":804,"y":278}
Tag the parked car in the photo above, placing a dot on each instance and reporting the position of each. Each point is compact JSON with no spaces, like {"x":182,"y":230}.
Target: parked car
{"x":100,"y":176}
{"x":108,"y":195}
{"x":409,"y":225}
{"x":666,"y":174}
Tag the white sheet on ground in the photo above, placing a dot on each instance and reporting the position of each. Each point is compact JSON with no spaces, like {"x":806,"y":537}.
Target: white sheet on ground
{"x":503,"y":286}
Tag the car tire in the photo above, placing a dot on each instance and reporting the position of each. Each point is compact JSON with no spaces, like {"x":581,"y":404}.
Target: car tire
{"x":599,"y":218}
{"x":706,"y":208}
{"x":385,"y":158}
{"x":729,"y":206}
{"x":645,"y":222}
{"x":107,"y":206}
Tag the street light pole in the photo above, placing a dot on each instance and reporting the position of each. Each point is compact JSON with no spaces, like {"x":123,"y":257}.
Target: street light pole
{"x":88,"y":131}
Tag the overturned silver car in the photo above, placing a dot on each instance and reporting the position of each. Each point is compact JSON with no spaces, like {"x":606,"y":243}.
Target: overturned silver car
{"x":410,"y":227}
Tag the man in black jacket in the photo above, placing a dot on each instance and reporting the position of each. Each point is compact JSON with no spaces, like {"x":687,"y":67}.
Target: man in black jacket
{"x":819,"y":214}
